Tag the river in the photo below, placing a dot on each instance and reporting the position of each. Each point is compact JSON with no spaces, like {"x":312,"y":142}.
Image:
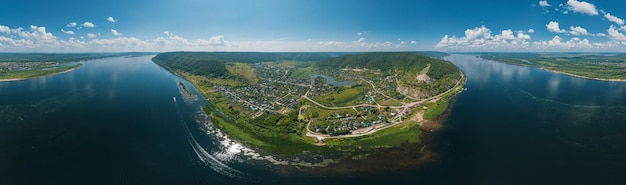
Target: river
{"x":116,"y":121}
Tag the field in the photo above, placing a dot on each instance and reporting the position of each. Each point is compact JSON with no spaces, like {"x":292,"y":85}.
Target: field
{"x":345,"y":97}
{"x":408,"y":132}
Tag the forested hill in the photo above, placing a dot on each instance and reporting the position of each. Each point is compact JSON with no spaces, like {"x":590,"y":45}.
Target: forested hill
{"x":248,"y":57}
{"x":392,"y":62}
{"x":194,"y":63}
{"x":213,"y":64}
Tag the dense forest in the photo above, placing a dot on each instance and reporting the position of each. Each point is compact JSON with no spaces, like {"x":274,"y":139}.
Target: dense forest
{"x":249,"y":57}
{"x":391,"y":62}
{"x":194,"y":63}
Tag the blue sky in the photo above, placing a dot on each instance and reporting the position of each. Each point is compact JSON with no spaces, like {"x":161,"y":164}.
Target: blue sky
{"x":312,"y":25}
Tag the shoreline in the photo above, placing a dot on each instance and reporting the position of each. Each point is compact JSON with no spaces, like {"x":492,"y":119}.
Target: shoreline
{"x":583,"y":77}
{"x":18,"y":79}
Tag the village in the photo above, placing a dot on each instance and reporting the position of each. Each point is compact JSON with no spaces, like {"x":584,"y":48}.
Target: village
{"x":329,"y":107}
{"x":25,"y":66}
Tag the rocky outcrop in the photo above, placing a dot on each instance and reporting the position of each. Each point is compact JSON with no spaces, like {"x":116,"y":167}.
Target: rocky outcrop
{"x":422,"y":78}
{"x":411,"y":92}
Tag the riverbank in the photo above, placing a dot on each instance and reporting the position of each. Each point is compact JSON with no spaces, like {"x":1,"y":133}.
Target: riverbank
{"x":44,"y":74}
{"x":583,"y":77}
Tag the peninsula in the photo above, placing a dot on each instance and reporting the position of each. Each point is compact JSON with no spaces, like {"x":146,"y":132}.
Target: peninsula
{"x":595,"y":66}
{"x":289,"y":103}
{"x":22,"y":66}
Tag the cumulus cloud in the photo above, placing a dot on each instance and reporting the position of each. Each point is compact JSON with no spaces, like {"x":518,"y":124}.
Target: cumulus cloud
{"x":553,"y":26}
{"x":531,"y":31}
{"x":557,"y":42}
{"x":614,"y":19}
{"x":71,"y":24}
{"x":614,"y":34}
{"x":111,"y":19}
{"x":168,"y":33}
{"x":88,"y":25}
{"x":361,"y":40}
{"x":69,"y":32}
{"x":91,"y":35}
{"x":582,"y":7}
{"x":481,"y":37}
{"x":413,"y":42}
{"x":114,"y":32}
{"x":5,"y":29}
{"x":544,"y":4}
{"x":578,"y":30}
{"x":218,"y":41}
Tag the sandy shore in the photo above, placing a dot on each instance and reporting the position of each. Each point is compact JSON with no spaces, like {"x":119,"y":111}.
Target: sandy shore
{"x":584,"y":77}
{"x":17,"y":79}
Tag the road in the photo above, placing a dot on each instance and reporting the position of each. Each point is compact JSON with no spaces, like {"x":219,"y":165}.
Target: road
{"x":404,"y":107}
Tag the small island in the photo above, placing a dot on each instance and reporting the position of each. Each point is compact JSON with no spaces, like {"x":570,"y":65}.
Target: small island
{"x":595,"y":66}
{"x":290,"y":103}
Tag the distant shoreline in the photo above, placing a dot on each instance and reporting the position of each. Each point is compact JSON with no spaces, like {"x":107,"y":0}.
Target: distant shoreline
{"x":18,"y":79}
{"x":584,"y":77}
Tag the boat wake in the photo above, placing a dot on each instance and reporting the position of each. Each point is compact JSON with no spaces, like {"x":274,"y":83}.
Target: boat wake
{"x":231,"y":150}
{"x":205,"y":157}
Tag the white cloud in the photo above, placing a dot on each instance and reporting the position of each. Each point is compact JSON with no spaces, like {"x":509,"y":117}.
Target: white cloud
{"x":88,"y":25}
{"x":71,"y":24}
{"x":69,"y":32}
{"x":582,"y":7}
{"x":557,"y":42}
{"x":614,"y":19}
{"x":331,"y":43}
{"x":480,"y":37}
{"x":553,"y":26}
{"x":413,"y":42}
{"x":505,"y":42}
{"x":578,"y":30}
{"x":5,"y":29}
{"x":91,"y":35}
{"x":531,"y":31}
{"x":218,"y":41}
{"x":361,"y":40}
{"x":168,"y":33}
{"x":111,"y":19}
{"x":507,"y":34}
{"x":614,"y":34}
{"x":523,"y":36}
{"x":601,"y":35}
{"x":472,"y":34}
{"x":114,"y":32}
{"x":544,"y":4}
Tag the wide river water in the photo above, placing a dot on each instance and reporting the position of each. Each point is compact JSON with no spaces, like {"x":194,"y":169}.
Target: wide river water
{"x":126,"y":121}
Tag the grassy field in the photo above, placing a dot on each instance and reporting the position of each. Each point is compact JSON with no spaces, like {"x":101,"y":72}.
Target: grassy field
{"x":36,"y":72}
{"x":244,"y":71}
{"x":345,"y":97}
{"x":394,"y":136}
{"x":435,"y":109}
{"x":304,"y":72}
{"x":267,"y":139}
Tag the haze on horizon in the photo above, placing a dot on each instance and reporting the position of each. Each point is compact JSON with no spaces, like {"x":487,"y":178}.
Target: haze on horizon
{"x":325,"y":25}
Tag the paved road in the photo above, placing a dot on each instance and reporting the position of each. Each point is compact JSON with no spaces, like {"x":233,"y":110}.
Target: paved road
{"x":404,"y":107}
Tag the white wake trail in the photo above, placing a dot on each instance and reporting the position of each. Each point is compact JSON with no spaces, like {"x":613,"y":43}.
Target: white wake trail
{"x":203,"y":155}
